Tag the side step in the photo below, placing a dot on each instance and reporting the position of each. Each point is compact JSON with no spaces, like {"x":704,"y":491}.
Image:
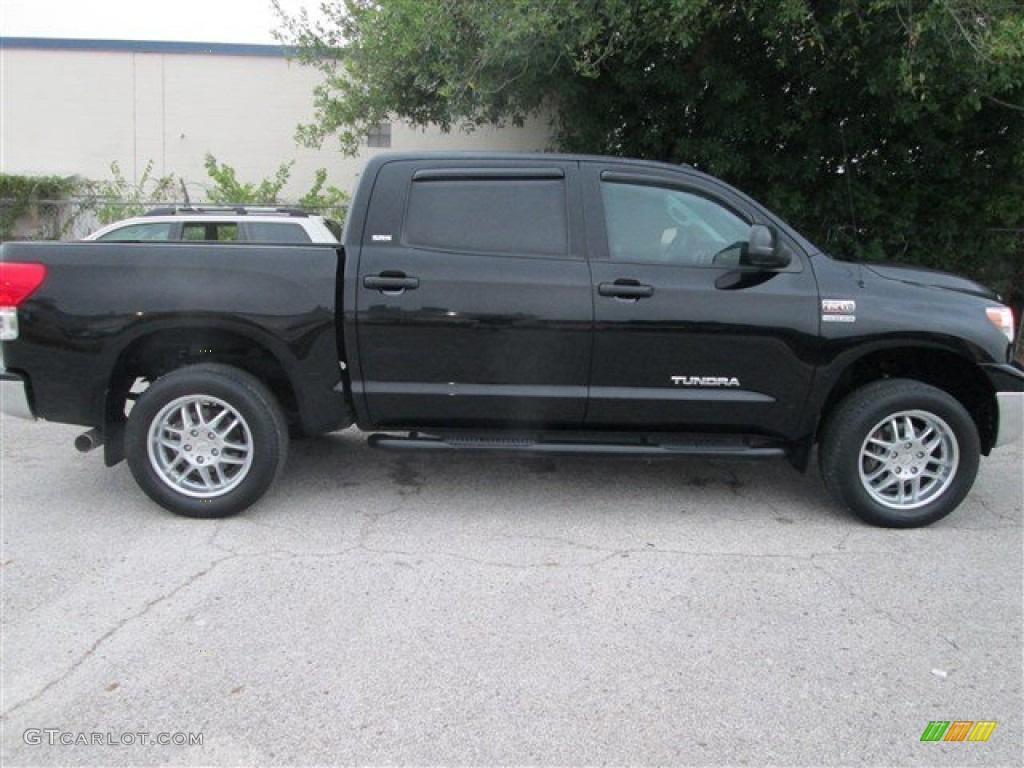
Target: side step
{"x":707,"y":446}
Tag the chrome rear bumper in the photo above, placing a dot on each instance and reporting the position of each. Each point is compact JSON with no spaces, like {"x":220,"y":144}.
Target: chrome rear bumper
{"x":14,"y":396}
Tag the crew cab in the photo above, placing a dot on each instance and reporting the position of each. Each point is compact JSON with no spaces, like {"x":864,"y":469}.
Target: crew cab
{"x":547,"y":304}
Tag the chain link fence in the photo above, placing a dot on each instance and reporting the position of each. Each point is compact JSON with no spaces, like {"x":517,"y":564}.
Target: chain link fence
{"x":66,"y":219}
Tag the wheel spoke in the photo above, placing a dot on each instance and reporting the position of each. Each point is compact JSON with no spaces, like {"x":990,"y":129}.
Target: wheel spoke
{"x":887,"y":484}
{"x":207,"y":478}
{"x":217,"y":474}
{"x":877,"y":452}
{"x":876,"y":474}
{"x":213,"y":465}
{"x":908,"y":424}
{"x":908,"y":460}
{"x":212,"y":423}
{"x":889,"y":431}
{"x":179,"y":477}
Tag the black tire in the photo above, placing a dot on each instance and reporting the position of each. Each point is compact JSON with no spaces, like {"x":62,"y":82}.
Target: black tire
{"x":900,"y":453}
{"x":206,"y":440}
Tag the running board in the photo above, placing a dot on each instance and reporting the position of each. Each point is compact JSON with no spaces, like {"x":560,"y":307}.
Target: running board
{"x":706,"y":447}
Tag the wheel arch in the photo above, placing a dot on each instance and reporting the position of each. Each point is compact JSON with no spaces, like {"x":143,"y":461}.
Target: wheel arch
{"x":943,"y":368}
{"x":159,"y":351}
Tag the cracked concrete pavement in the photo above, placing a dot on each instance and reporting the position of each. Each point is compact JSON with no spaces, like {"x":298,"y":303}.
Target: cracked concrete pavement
{"x":390,"y":609}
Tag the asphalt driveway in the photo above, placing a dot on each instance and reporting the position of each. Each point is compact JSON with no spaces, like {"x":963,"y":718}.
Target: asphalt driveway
{"x":388,"y":609}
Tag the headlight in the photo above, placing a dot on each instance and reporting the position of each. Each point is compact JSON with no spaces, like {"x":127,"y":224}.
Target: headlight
{"x":1001,"y":318}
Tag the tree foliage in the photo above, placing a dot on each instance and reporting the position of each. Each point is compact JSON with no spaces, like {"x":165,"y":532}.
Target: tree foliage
{"x":53,"y":207}
{"x":879,"y":127}
{"x":119,"y":197}
{"x":21,"y":195}
{"x":228,"y":190}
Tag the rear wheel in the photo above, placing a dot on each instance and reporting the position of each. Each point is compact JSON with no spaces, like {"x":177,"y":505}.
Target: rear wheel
{"x":900,"y":453}
{"x":206,"y":440}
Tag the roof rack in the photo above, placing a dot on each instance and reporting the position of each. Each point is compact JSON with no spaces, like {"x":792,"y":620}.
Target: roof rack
{"x":239,"y":210}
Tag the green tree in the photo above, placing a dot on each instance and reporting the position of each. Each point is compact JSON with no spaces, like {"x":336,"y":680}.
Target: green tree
{"x":879,"y":127}
{"x":118,"y":198}
{"x":228,"y":190}
{"x":325,"y":198}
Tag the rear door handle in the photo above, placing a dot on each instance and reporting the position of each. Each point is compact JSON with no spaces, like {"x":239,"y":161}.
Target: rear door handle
{"x":391,"y":284}
{"x":626,"y":289}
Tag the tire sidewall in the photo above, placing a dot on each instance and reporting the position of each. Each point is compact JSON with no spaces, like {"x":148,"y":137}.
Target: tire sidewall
{"x":238,"y":390}
{"x":857,"y":418}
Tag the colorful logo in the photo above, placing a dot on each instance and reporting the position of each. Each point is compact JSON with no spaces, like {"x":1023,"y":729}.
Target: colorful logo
{"x":958,"y":730}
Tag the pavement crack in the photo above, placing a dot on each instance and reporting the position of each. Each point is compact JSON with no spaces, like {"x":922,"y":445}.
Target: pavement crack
{"x":91,"y":650}
{"x":557,"y":540}
{"x":370,"y":521}
{"x":852,"y":594}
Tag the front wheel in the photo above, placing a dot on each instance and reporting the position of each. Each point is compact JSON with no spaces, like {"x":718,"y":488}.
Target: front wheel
{"x":900,"y":453}
{"x":206,"y":440}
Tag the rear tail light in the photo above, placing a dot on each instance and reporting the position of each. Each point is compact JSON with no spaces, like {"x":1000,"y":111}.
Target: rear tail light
{"x":17,"y":282}
{"x":1001,"y":318}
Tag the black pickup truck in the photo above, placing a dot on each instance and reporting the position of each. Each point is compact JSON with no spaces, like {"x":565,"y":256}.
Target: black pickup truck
{"x":516,"y":303}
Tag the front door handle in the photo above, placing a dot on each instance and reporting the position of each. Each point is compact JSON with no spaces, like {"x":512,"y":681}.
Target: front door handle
{"x":391,"y":284}
{"x":626,"y":289}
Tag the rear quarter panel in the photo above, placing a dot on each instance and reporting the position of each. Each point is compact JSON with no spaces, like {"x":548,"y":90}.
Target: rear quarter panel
{"x":99,"y":298}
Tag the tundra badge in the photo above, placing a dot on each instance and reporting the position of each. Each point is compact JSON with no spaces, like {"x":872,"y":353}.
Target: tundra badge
{"x":705,"y":381}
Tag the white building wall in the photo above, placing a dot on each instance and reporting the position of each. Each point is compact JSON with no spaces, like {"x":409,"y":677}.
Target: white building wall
{"x":66,"y":111}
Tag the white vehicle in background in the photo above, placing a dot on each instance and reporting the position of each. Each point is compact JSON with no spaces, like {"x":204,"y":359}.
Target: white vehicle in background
{"x":222,"y":224}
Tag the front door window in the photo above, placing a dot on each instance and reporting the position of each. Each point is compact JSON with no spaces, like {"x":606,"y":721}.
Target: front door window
{"x":657,"y":225}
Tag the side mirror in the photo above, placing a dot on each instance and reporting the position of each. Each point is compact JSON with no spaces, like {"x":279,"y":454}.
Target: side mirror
{"x":762,"y":250}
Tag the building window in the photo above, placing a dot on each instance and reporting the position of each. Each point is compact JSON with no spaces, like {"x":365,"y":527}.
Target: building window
{"x":379,"y":135}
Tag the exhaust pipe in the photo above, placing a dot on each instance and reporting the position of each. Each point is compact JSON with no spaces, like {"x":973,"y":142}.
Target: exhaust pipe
{"x":87,"y":441}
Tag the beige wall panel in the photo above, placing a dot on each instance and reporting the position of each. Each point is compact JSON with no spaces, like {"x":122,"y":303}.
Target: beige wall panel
{"x":74,"y":112}
{"x":64,"y":112}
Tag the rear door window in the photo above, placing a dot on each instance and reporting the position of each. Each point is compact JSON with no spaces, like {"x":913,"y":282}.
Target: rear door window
{"x":508,"y":214}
